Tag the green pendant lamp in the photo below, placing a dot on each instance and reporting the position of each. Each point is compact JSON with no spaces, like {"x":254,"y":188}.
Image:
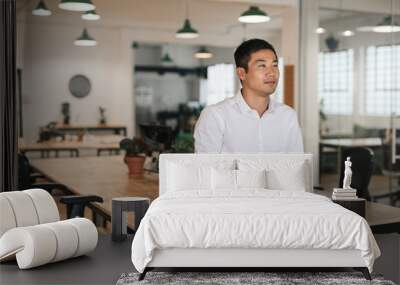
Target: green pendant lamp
{"x":254,"y":15}
{"x":135,"y":45}
{"x":85,"y":40}
{"x":187,"y":32}
{"x":386,"y":26}
{"x":203,"y":53}
{"x":41,"y":9}
{"x":77,"y":5}
{"x":166,"y":59}
{"x":90,"y":16}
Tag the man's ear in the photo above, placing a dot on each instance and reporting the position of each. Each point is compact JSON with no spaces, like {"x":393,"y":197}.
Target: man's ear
{"x":241,"y":73}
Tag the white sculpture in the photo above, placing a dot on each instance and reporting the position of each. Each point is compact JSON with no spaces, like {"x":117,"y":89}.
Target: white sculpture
{"x":347,"y":174}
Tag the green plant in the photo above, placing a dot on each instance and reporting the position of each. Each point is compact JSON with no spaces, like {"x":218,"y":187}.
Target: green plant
{"x":133,"y":147}
{"x":184,"y":143}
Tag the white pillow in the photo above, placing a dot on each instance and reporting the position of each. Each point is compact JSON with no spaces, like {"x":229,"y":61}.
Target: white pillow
{"x":223,"y":179}
{"x":287,"y":177}
{"x":280,"y":174}
{"x":251,"y":178}
{"x":183,"y":178}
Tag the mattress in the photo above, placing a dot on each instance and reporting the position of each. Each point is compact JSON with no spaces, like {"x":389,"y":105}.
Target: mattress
{"x":250,"y":219}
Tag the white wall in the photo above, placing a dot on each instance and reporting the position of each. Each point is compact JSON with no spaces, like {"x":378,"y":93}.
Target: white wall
{"x":51,"y":59}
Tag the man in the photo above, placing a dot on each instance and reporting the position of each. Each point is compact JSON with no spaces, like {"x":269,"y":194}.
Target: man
{"x":250,"y":122}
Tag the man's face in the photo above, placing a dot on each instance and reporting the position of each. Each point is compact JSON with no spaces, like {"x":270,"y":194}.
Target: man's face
{"x":262,"y":73}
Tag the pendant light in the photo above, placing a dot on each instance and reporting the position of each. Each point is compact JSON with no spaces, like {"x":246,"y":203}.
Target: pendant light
{"x":386,"y":26}
{"x":90,"y":15}
{"x":41,"y":9}
{"x":203,"y":53}
{"x":166,"y":59}
{"x":254,"y":15}
{"x":320,"y":30}
{"x":135,"y":45}
{"x":187,"y":32}
{"x":85,"y":40}
{"x":347,"y":33}
{"x":77,"y":5}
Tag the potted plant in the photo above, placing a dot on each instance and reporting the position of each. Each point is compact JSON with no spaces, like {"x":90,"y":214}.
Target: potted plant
{"x":135,"y":155}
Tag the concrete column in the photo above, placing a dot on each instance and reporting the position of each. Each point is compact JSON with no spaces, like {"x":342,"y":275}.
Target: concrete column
{"x":308,"y":105}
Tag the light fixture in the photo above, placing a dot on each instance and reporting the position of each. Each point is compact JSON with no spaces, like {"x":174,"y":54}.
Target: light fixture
{"x":347,"y":33}
{"x":365,"y":29}
{"x":386,"y":26}
{"x":135,"y":45}
{"x":41,"y":9}
{"x":77,"y":5}
{"x":320,"y":30}
{"x":203,"y":53}
{"x":254,"y":15}
{"x":90,"y":15}
{"x":85,"y":40}
{"x":187,"y":32}
{"x":166,"y":60}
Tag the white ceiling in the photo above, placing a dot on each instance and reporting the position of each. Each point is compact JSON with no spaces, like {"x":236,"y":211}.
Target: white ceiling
{"x":212,"y":18}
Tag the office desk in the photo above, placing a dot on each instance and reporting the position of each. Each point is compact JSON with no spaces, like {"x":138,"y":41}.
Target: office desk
{"x":341,"y":143}
{"x":106,"y":176}
{"x":351,"y":142}
{"x":71,"y":129}
{"x":99,"y":143}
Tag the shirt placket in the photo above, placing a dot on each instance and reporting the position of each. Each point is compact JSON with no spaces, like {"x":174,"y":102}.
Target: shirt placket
{"x":260,"y":137}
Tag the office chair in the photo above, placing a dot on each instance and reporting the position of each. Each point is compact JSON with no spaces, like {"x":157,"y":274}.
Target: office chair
{"x":391,"y":170}
{"x":362,"y":167}
{"x":75,"y":203}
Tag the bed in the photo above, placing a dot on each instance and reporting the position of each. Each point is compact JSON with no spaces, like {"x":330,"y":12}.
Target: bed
{"x":247,"y":210}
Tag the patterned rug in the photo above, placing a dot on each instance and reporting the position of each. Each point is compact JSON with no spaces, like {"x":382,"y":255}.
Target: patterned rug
{"x":242,"y":278}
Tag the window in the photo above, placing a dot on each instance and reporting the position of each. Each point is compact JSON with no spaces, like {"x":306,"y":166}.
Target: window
{"x":220,"y":84}
{"x":336,"y":82}
{"x":382,"y":84}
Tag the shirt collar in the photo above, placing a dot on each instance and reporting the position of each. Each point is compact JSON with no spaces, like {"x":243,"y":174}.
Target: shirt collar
{"x":245,"y":108}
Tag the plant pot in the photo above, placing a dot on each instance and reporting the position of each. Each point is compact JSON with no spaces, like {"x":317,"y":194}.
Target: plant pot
{"x":135,"y":165}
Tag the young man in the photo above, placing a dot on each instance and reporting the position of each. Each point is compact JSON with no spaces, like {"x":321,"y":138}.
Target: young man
{"x":250,"y":122}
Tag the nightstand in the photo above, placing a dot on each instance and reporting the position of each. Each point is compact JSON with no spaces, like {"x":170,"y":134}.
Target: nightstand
{"x":120,"y":207}
{"x":357,"y":205}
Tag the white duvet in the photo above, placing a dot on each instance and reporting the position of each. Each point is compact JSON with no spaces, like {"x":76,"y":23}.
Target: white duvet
{"x":252,"y":218}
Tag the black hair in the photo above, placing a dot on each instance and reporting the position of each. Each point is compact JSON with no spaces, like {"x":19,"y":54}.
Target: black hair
{"x":246,"y":48}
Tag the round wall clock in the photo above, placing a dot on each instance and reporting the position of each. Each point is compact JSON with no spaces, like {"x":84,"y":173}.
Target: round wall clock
{"x":79,"y":86}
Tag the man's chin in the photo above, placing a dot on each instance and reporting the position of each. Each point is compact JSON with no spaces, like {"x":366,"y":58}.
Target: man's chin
{"x":269,"y":91}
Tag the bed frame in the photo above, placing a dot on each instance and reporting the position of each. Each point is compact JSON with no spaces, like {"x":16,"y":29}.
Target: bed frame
{"x":249,"y":258}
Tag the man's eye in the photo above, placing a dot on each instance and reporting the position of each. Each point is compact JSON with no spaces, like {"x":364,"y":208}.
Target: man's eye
{"x":262,"y":65}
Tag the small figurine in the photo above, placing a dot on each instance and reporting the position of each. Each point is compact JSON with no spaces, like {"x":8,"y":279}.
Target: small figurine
{"x":103,"y":119}
{"x":347,"y":174}
{"x":65,"y":110}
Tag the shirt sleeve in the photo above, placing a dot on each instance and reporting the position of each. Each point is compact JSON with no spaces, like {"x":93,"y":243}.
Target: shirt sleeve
{"x":208,"y":132}
{"x":295,"y":136}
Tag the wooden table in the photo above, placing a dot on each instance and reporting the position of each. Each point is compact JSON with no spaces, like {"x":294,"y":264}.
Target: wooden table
{"x":106,"y":176}
{"x":99,"y":143}
{"x":116,"y":129}
{"x":340,"y":143}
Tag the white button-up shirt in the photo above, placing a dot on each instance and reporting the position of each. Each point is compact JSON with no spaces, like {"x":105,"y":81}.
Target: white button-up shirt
{"x":231,"y":126}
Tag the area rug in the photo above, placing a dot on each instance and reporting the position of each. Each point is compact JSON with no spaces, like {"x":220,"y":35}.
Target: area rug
{"x":243,"y":278}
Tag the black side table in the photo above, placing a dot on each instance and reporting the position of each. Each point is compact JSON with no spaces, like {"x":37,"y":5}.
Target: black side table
{"x":120,"y":206}
{"x":357,"y":206}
